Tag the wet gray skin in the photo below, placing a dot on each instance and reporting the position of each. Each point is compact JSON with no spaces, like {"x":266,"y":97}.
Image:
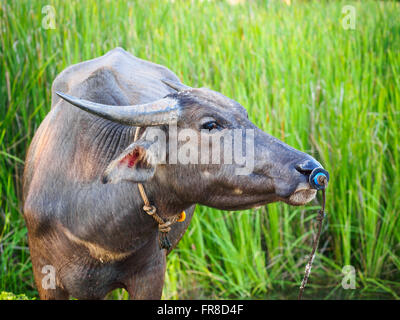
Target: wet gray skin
{"x":82,"y":207}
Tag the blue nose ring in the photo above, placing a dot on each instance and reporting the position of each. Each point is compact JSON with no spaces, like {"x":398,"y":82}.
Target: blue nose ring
{"x":319,"y":178}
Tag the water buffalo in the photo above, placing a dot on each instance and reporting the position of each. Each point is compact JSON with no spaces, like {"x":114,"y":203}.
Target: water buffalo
{"x":84,"y":214}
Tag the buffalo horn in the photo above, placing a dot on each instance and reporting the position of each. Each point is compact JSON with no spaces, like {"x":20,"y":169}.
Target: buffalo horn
{"x":163,"y":111}
{"x":178,"y":86}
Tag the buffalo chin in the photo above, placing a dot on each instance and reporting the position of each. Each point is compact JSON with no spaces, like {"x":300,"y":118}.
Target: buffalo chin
{"x":301,"y":197}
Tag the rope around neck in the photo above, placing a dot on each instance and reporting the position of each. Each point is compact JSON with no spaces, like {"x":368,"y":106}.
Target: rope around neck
{"x":163,"y":226}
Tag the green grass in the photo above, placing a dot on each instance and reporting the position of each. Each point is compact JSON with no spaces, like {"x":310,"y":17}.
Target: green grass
{"x":331,"y":92}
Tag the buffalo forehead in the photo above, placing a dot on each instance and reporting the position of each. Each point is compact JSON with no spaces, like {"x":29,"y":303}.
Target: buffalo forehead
{"x":209,"y":98}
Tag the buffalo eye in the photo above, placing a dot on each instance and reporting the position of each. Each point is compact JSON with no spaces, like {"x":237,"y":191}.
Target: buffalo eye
{"x":211,"y":125}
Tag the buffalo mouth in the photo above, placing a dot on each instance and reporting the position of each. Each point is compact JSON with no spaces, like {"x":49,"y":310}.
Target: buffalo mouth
{"x":301,"y":197}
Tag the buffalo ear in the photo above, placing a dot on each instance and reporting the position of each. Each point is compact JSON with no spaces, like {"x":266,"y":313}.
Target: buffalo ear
{"x":136,"y":163}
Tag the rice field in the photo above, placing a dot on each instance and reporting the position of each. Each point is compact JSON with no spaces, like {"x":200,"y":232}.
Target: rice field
{"x":303,"y":75}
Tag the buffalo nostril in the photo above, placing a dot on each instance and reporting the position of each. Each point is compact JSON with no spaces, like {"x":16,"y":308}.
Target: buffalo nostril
{"x":307,"y":166}
{"x":302,"y":170}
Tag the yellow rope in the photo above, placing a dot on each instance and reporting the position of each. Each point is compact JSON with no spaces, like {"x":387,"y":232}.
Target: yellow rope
{"x":163,"y":226}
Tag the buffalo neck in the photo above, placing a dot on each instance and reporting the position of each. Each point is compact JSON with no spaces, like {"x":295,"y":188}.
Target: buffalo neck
{"x":112,"y":215}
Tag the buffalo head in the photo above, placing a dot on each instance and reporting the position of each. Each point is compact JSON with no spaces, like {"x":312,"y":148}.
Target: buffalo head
{"x":192,"y":142}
